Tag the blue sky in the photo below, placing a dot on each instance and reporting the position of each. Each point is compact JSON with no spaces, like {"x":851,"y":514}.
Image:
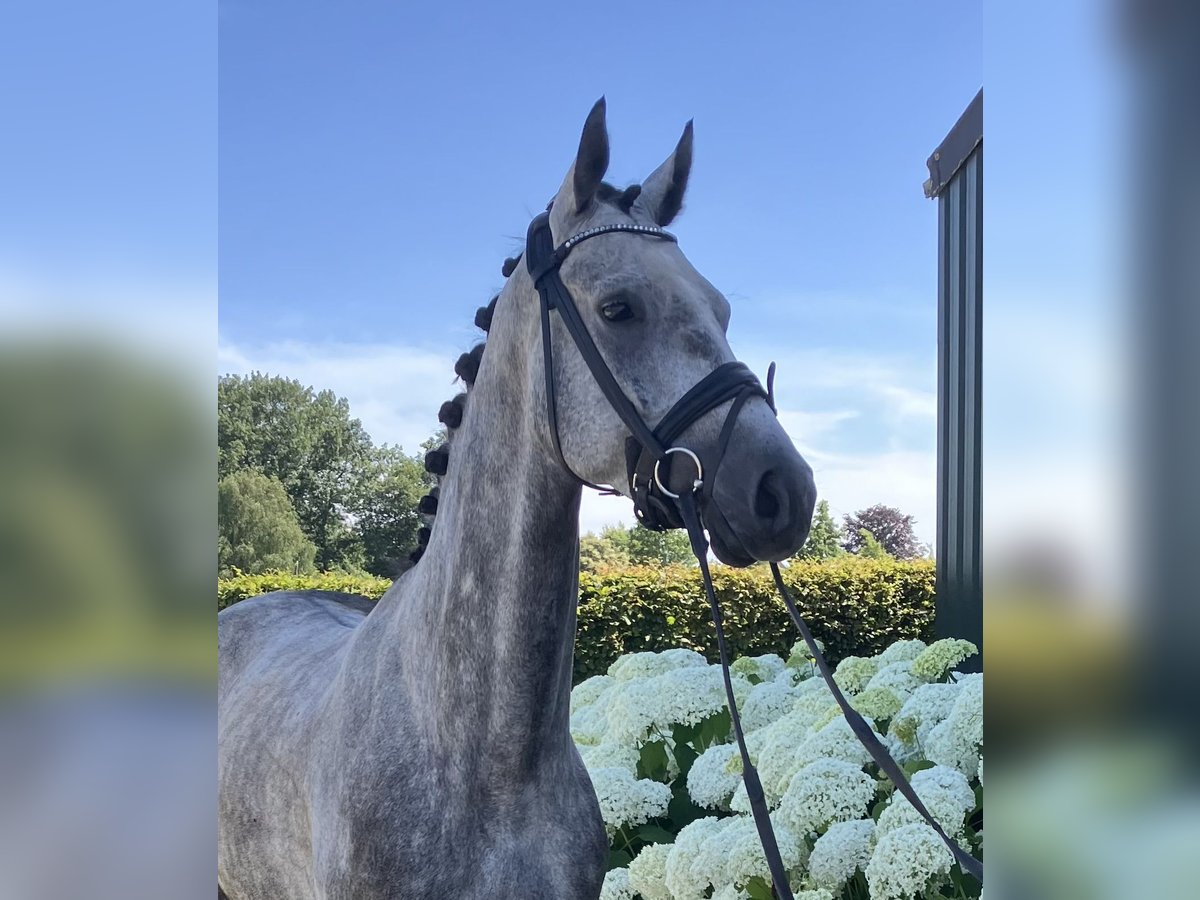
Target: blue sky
{"x":379,"y":160}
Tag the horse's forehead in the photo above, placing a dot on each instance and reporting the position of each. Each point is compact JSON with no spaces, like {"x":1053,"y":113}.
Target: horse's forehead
{"x":637,"y":263}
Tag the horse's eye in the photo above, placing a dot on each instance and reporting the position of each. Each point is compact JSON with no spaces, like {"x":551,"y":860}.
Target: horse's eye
{"x":617,"y":311}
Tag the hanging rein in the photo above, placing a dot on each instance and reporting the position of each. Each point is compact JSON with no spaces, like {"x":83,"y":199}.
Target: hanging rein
{"x":649,"y":454}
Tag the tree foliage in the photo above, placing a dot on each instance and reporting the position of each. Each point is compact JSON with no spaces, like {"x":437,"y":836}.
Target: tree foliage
{"x":618,"y":545}
{"x":599,"y":553}
{"x":887,"y":525}
{"x":824,"y":538}
{"x":385,"y":509}
{"x":308,"y":441}
{"x":355,"y":502}
{"x":871,"y":548}
{"x":257,"y":528}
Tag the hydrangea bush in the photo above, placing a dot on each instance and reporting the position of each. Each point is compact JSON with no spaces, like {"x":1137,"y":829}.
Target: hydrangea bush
{"x":655,"y":736}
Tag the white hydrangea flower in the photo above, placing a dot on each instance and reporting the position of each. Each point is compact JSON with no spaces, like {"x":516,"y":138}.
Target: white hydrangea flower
{"x":853,"y":673}
{"x":980,"y":772}
{"x":792,"y":747}
{"x":901,"y":651}
{"x":766,"y":667}
{"x":648,"y":872}
{"x":587,"y":691}
{"x":745,"y":858}
{"x":877,"y":703}
{"x":626,"y":800}
{"x":835,"y":740}
{"x":927,"y":707}
{"x":898,"y":678}
{"x":831,"y":712}
{"x":956,"y":741}
{"x":729,"y":892}
{"x":905,"y":860}
{"x":825,"y":791}
{"x":695,"y":862}
{"x":813,"y":696}
{"x":940,"y":657}
{"x":943,"y":778}
{"x":710,"y":782}
{"x":647,"y":664}
{"x":616,"y":886}
{"x":799,"y":656}
{"x":842,"y":850}
{"x":901,"y":752}
{"x":792,"y":677}
{"x":772,"y":749}
{"x":589,"y":725}
{"x":684,"y":696}
{"x":813,"y":894}
{"x":765,"y":703}
{"x":945,"y":793}
{"x":609,"y":755}
{"x":589,"y":721}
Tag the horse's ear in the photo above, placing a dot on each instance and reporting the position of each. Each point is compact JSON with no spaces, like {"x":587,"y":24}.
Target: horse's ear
{"x":591,"y":162}
{"x":662,"y":193}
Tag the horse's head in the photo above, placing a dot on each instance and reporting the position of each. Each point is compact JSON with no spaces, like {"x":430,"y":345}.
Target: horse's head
{"x":660,"y":327}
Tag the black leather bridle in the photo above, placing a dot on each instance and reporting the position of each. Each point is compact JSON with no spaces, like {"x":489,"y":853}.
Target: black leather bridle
{"x":648,"y":453}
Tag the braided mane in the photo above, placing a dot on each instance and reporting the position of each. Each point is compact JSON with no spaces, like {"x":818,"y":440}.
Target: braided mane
{"x":467,"y":368}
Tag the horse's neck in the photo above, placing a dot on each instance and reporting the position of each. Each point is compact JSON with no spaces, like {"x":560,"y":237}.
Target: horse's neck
{"x":485,"y":624}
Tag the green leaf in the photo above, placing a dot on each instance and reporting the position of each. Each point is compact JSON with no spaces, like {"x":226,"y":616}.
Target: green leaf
{"x":683,"y":734}
{"x":714,"y":730}
{"x":618,"y":859}
{"x":758,"y":889}
{"x":681,"y":810}
{"x":653,"y":761}
{"x":912,"y":768}
{"x":655,"y":834}
{"x":684,"y":757}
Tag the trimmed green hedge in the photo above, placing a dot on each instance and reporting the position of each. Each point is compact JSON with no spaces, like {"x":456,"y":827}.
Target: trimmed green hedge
{"x":241,"y":587}
{"x":855,"y":606}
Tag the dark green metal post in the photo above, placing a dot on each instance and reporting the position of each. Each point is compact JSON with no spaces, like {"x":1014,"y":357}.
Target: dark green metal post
{"x":956,"y":180}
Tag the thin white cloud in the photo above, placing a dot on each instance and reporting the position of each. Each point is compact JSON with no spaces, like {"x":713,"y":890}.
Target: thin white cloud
{"x":396,"y":389}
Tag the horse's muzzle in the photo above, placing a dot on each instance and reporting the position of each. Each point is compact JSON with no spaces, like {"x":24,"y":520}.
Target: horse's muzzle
{"x":762,"y":505}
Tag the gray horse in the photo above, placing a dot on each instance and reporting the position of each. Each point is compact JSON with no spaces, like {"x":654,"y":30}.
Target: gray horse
{"x":419,"y":747}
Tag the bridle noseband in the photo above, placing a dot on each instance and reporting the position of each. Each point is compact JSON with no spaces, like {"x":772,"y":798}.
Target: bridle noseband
{"x":648,"y":455}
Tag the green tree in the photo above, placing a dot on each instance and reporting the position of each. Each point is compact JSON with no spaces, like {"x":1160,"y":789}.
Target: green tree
{"x":257,"y":527}
{"x":870,"y":548}
{"x":886,"y":524}
{"x":597,"y":553}
{"x":385,"y":510}
{"x":309,"y":442}
{"x":648,"y":547}
{"x":619,"y":545}
{"x":824,"y":538}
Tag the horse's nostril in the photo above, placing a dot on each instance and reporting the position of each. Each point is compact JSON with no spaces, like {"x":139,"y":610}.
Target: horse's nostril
{"x":766,"y":498}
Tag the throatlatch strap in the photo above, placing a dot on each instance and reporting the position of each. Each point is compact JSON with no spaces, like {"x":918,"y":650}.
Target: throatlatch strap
{"x":754,"y":789}
{"x":866,"y":735}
